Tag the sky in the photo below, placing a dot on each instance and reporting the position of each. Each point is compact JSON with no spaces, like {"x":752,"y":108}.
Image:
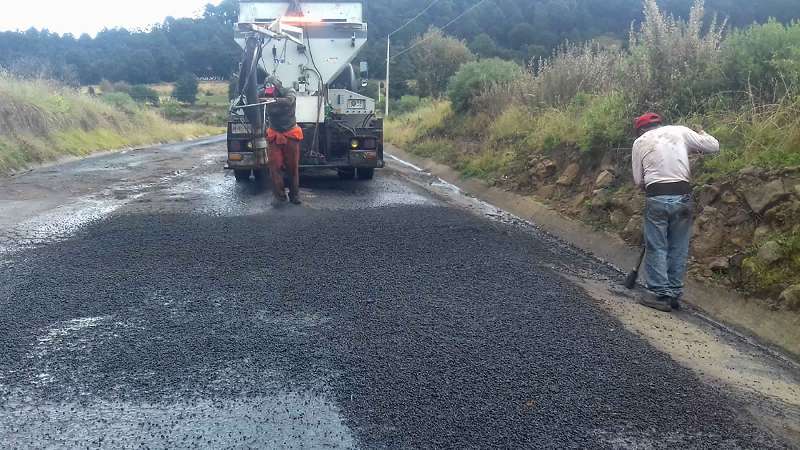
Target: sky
{"x":91,"y":16}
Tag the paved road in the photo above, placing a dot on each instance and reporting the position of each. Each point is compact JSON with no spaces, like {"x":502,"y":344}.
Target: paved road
{"x":148,"y":300}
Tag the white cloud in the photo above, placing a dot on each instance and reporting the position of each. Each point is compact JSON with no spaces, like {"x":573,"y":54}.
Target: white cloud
{"x":91,"y":16}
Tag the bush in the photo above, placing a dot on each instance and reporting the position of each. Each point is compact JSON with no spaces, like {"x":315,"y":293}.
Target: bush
{"x":407,"y":103}
{"x":144,"y":94}
{"x":604,"y":122}
{"x":186,"y":89}
{"x":474,"y":78}
{"x":764,"y":60}
{"x":121,"y":101}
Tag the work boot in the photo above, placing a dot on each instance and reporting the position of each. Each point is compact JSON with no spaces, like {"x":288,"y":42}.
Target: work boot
{"x":278,"y":201}
{"x":674,"y":303}
{"x":659,"y":303}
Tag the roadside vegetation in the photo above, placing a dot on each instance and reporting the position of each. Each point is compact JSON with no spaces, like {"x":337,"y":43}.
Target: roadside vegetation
{"x":42,"y":120}
{"x":561,"y":128}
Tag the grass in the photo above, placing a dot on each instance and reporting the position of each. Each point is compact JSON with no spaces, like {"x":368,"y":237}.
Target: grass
{"x":41,"y":121}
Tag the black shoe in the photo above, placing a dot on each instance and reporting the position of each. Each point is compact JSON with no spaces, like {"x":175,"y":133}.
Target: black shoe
{"x":654,"y":302}
{"x":277,"y":202}
{"x":674,"y":303}
{"x":295,"y":199}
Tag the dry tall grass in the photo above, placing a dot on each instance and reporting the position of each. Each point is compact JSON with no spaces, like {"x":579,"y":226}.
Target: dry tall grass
{"x":41,"y":120}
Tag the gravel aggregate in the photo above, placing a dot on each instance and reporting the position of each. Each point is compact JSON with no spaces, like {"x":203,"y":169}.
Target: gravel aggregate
{"x":413,"y":326}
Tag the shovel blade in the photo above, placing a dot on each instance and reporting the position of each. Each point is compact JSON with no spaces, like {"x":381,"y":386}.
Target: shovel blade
{"x":630,"y":280}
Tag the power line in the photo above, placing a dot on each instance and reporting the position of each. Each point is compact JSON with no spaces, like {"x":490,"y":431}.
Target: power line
{"x":442,"y":28}
{"x":416,"y":17}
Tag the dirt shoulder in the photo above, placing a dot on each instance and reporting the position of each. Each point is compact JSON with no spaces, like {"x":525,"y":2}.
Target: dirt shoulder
{"x":777,"y":329}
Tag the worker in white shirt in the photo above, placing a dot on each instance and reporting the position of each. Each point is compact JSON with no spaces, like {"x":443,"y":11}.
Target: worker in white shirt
{"x":661,"y":169}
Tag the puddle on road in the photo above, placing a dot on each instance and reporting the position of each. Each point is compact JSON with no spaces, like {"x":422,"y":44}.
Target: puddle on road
{"x":284,"y":419}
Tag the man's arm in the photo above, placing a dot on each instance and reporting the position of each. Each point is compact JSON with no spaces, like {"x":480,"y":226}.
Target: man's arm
{"x":288,"y":97}
{"x":638,"y":168}
{"x":701,"y":142}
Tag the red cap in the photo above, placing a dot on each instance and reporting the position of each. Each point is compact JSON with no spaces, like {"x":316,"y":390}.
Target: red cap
{"x":647,"y":120}
{"x":270,"y":91}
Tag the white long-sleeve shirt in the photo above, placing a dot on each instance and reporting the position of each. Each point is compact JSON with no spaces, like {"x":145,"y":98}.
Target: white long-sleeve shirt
{"x":662,"y":155}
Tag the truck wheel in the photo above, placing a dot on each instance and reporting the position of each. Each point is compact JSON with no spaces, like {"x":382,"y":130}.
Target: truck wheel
{"x":366,"y":174}
{"x":241,"y":175}
{"x":347,"y":173}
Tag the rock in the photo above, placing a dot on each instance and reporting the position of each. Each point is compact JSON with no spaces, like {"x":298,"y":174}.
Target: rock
{"x":791,"y":298}
{"x":729,"y":198}
{"x":797,"y":190}
{"x":751,"y":172}
{"x":618,"y":218}
{"x":707,"y":216}
{"x":547,"y":191}
{"x":739,"y":242}
{"x":633,"y":230}
{"x":721,"y":264}
{"x":707,"y":241}
{"x":762,"y":196}
{"x":783,"y":216}
{"x":546,"y":169}
{"x":579,"y":201}
{"x":707,"y":194}
{"x":601,"y":199}
{"x":569,"y":175}
{"x":738,"y":219}
{"x":761,"y":234}
{"x":605,"y":179}
{"x":770,"y":252}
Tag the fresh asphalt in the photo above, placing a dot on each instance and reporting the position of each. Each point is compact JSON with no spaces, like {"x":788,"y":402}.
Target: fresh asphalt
{"x":147,"y":300}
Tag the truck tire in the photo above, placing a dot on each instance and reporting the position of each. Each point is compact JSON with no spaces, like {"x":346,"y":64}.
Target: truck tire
{"x":347,"y":173}
{"x":366,"y":174}
{"x":241,"y":175}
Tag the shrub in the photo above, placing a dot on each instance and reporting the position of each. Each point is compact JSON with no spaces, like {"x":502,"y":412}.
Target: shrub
{"x":474,"y":78}
{"x":589,"y":68}
{"x":604,"y":122}
{"x":144,"y":94}
{"x":407,"y":103}
{"x":764,"y":60}
{"x":186,"y":89}
{"x":121,"y":101}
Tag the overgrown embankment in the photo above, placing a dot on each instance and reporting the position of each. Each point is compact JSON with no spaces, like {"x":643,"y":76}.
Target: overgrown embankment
{"x":41,"y":121}
{"x":563,"y":133}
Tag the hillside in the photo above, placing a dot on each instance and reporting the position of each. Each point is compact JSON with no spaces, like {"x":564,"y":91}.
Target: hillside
{"x":41,"y":121}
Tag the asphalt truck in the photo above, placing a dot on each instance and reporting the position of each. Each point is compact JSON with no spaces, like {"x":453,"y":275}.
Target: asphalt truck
{"x":309,"y":46}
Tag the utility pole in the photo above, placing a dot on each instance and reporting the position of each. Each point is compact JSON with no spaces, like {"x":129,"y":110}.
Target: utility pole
{"x":388,"y":46}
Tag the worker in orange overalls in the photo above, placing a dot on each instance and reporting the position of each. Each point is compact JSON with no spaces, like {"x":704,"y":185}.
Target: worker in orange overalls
{"x":284,"y":138}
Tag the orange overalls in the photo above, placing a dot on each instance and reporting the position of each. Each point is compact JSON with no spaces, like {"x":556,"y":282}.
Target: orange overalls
{"x":284,"y":153}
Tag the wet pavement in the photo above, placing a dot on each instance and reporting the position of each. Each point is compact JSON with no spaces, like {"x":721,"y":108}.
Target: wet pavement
{"x":147,"y":300}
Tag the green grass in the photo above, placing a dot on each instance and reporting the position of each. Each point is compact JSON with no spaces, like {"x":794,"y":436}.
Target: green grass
{"x":41,"y":121}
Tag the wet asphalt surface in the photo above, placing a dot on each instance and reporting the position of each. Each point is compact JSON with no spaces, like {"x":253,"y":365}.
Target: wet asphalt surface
{"x":178,"y":309}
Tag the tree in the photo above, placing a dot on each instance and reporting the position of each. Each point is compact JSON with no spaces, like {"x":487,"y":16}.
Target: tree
{"x":144,"y":94}
{"x":436,"y":58}
{"x":483,"y":45}
{"x":186,"y":89}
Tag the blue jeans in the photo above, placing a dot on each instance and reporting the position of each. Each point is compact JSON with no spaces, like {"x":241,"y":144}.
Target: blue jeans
{"x":667,"y":231}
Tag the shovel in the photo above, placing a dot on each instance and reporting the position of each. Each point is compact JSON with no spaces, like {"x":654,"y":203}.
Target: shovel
{"x":630,"y":280}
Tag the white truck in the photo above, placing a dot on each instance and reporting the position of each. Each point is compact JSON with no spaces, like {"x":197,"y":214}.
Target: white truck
{"x":310,"y":46}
